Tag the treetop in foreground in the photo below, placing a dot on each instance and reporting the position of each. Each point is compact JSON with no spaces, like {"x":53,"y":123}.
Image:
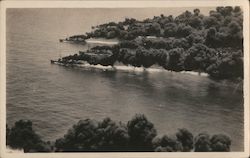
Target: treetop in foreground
{"x":138,"y":135}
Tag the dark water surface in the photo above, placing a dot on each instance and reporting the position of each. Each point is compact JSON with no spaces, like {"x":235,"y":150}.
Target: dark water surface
{"x":55,"y":97}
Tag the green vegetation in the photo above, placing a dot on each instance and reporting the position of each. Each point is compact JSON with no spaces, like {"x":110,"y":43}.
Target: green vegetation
{"x":139,"y":134}
{"x":189,"y":42}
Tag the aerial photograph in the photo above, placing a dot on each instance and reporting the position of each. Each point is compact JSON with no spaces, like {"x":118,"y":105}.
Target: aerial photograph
{"x":153,"y":79}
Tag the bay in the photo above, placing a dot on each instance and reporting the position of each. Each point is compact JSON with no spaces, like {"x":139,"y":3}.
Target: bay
{"x":54,"y":97}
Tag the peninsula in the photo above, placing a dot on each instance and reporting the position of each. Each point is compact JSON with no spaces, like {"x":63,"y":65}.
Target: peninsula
{"x":210,"y":44}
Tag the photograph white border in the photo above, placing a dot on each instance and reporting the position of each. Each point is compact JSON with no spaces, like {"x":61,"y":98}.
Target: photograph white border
{"x":121,"y":4}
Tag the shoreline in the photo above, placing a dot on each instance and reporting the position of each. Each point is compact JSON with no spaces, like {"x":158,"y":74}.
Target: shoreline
{"x":91,"y":41}
{"x":101,"y":41}
{"x":128,"y":68}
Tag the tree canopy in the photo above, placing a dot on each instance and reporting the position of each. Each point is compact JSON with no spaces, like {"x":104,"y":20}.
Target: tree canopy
{"x":189,"y":42}
{"x":138,"y":134}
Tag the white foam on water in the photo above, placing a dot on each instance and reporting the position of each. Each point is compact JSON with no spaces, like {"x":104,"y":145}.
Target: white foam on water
{"x":96,"y":41}
{"x":195,"y":73}
{"x":98,"y":66}
{"x":130,"y":68}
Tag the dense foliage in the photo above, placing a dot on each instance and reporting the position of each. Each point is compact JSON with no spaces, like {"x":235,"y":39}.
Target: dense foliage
{"x":22,"y":136}
{"x":138,"y":134}
{"x":221,"y":28}
{"x":141,"y":133}
{"x":189,"y":42}
{"x":90,"y":135}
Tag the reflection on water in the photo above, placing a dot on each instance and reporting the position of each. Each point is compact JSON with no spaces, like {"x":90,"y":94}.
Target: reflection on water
{"x":56,"y":97}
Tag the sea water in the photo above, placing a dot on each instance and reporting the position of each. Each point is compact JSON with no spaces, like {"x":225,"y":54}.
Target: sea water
{"x":54,"y":97}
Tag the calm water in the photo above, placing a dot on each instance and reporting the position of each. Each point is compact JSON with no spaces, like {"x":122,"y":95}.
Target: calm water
{"x":55,"y":97}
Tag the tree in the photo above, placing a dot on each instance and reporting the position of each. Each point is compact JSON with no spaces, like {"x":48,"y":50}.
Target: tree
{"x":111,"y":34}
{"x":180,"y":43}
{"x":22,"y":136}
{"x":129,"y":21}
{"x":167,"y":144}
{"x":237,"y":9}
{"x":210,"y":21}
{"x":170,"y":30}
{"x":106,"y":60}
{"x":235,"y":34}
{"x":138,"y":135}
{"x":227,"y":64}
{"x":211,"y":39}
{"x":225,"y":11}
{"x":161,"y":57}
{"x":183,"y":30}
{"x":112,"y":136}
{"x":196,"y":12}
{"x":141,"y":133}
{"x":220,"y":143}
{"x":195,"y":22}
{"x":184,"y":17}
{"x":186,"y":139}
{"x":195,"y":38}
{"x":128,"y":44}
{"x":90,"y":135}
{"x":175,"y":62}
{"x":81,"y":137}
{"x":145,"y":57}
{"x":198,"y":57}
{"x":202,"y":143}
{"x":153,"y":29}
